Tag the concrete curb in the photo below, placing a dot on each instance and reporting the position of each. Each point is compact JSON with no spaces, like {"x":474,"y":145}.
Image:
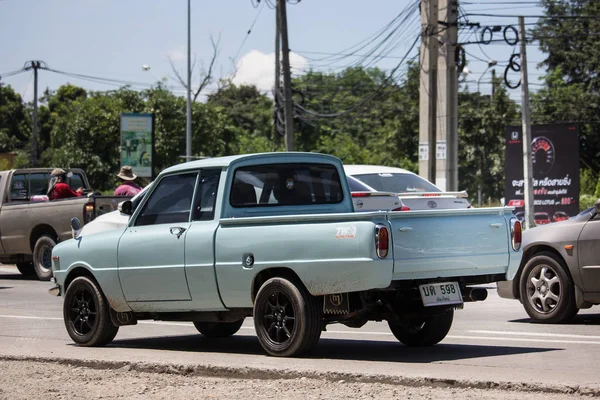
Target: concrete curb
{"x":267,"y":373}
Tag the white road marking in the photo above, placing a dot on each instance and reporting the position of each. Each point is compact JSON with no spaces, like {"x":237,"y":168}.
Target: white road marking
{"x":534,"y":334}
{"x":529,"y":338}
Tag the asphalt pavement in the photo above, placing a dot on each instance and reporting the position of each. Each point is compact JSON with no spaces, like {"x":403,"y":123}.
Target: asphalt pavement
{"x":491,"y":344}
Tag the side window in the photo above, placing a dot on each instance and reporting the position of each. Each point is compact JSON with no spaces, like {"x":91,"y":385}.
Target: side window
{"x":285,"y":185}
{"x":170,"y":202}
{"x":19,"y":188}
{"x":206,"y":195}
{"x":75,"y":181}
{"x":38,"y":184}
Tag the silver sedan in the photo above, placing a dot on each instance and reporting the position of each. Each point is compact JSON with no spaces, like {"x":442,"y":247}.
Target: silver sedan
{"x":560,"y":271}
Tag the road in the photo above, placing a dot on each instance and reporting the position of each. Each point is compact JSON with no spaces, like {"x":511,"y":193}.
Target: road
{"x":491,"y":344}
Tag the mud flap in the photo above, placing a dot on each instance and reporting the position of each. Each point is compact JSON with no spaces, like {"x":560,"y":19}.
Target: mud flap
{"x":122,"y":318}
{"x":336,"y":304}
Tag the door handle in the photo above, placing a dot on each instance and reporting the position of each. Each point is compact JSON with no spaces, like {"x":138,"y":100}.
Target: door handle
{"x":177,"y":230}
{"x":496,"y":225}
{"x":405,"y":229}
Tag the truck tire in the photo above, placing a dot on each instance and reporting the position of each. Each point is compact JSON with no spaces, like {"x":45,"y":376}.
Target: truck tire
{"x":86,"y":314}
{"x":218,"y":329}
{"x":425,"y":332}
{"x":547,"y":292}
{"x":42,"y":257}
{"x":287,"y":318}
{"x":26,"y":268}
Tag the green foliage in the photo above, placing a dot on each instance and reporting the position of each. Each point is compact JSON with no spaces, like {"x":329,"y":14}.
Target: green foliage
{"x":572,"y":85}
{"x":482,"y":124}
{"x":382,"y":131}
{"x":14,"y":129}
{"x":586,"y":201}
{"x":588,"y":181}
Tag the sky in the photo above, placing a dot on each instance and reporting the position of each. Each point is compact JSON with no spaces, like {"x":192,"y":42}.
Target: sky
{"x":116,"y":39}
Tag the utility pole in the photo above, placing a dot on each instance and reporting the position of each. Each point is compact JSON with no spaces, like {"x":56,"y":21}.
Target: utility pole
{"x":449,"y":93}
{"x":35,"y":65}
{"x":188,"y":113}
{"x":428,"y":89}
{"x":287,"y":80}
{"x":277,"y":136}
{"x":527,"y":161}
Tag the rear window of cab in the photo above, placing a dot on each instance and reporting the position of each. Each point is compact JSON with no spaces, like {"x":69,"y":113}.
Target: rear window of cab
{"x":286,"y":185}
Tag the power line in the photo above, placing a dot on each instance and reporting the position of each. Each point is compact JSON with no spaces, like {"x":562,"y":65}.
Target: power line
{"x":260,"y":9}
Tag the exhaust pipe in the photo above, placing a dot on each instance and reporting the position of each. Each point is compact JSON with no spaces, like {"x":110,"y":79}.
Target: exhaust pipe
{"x":474,"y":294}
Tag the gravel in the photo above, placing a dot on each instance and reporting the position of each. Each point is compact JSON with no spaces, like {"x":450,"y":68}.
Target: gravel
{"x":43,"y":380}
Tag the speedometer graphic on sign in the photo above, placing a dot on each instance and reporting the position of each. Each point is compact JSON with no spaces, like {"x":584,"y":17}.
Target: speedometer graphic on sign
{"x":542,"y":155}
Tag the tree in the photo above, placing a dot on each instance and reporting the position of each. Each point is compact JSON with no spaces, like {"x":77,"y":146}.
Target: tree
{"x":15,"y":131}
{"x":249,"y":123}
{"x":379,"y":116}
{"x":482,"y":121}
{"x":569,"y":36}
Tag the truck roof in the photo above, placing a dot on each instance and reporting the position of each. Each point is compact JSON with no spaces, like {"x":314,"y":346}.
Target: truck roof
{"x":226,"y":161}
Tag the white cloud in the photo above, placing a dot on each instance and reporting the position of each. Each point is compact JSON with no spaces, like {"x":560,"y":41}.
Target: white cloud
{"x":257,"y":68}
{"x":177,"y":54}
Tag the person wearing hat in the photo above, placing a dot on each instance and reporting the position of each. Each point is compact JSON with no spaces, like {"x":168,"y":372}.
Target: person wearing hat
{"x":58,"y":187}
{"x":128,"y":187}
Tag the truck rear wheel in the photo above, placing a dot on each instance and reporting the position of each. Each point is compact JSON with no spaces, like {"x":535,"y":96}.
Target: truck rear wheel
{"x":423,"y":332}
{"x":218,"y":329}
{"x":26,"y":268}
{"x":42,"y":257}
{"x":287,"y":318}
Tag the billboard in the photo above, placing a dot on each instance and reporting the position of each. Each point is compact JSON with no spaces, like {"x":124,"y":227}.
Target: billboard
{"x":137,"y":142}
{"x":555,"y":158}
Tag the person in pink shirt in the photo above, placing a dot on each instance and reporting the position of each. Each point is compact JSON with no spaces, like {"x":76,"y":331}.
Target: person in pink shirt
{"x":128,"y":187}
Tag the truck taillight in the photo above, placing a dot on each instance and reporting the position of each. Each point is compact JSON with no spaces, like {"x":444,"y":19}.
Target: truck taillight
{"x":382,"y":241}
{"x":403,"y":208}
{"x":516,"y":233}
{"x":88,"y":212}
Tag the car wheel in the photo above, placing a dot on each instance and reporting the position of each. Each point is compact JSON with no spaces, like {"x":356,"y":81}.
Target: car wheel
{"x":287,"y":318}
{"x":218,"y":329}
{"x":547,"y":292}
{"x":86,"y":314}
{"x":423,"y":332}
{"x":26,"y":268}
{"x":42,"y":257}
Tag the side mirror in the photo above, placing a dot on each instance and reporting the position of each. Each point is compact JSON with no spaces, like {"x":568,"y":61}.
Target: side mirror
{"x":126,"y":207}
{"x":75,"y":227}
{"x":597,"y":206}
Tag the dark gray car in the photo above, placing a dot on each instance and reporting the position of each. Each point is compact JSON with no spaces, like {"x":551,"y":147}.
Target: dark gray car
{"x":560,"y":271}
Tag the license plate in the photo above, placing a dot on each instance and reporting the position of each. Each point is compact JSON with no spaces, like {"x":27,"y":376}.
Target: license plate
{"x":437,"y":294}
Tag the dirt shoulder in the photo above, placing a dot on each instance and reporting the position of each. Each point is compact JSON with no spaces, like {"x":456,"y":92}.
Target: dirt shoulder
{"x":42,"y":380}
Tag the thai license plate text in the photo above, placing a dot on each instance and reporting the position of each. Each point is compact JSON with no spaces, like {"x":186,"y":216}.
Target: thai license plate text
{"x":436,"y":294}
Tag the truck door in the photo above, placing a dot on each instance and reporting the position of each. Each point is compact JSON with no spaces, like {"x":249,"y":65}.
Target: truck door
{"x":151,"y":252}
{"x":199,"y":244}
{"x":589,"y":255}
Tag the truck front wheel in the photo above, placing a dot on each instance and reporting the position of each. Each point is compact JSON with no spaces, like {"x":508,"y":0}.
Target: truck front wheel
{"x":42,"y":257}
{"x":423,"y":332}
{"x":86,"y":314}
{"x":287,"y":318}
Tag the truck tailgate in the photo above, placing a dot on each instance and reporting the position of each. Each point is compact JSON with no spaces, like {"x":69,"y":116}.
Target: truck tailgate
{"x":450,"y":243}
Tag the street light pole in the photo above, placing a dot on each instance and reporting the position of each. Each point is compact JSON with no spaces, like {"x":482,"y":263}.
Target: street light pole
{"x":188,"y":122}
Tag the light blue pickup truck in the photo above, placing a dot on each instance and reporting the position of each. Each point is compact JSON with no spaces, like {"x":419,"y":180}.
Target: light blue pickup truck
{"x":274,"y":236}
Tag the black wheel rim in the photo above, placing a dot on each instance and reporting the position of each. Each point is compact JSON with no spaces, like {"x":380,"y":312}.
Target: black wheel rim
{"x":46,"y":257}
{"x":278,"y":319}
{"x":83,"y":312}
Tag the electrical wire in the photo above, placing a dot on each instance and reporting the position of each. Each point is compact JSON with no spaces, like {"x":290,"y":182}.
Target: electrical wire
{"x":260,"y":9}
{"x":368,"y":98}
